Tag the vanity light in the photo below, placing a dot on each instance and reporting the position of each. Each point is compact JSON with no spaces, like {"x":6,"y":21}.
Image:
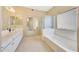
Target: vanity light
{"x":11,"y":9}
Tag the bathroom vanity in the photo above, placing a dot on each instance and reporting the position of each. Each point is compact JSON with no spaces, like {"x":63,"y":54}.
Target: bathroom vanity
{"x":11,"y":40}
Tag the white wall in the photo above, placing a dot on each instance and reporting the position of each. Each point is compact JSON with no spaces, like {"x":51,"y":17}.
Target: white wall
{"x":67,"y":20}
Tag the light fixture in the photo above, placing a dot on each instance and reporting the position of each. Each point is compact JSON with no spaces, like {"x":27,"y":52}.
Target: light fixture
{"x":11,"y":9}
{"x":27,"y":20}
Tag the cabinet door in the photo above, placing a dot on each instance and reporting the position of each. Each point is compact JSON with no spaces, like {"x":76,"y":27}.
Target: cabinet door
{"x":12,"y":47}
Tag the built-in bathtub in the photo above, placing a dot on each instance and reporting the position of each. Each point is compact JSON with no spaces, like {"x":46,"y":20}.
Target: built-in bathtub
{"x":64,"y":43}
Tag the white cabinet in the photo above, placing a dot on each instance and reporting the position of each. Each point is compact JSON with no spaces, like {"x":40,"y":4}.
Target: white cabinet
{"x":14,"y":42}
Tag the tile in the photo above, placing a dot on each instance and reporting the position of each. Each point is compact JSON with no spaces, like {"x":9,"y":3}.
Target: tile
{"x":33,"y":44}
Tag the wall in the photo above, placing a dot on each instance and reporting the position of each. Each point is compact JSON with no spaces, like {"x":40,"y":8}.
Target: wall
{"x":77,"y":13}
{"x":67,"y":20}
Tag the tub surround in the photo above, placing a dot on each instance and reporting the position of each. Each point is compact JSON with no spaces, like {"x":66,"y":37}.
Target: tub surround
{"x":59,"y":43}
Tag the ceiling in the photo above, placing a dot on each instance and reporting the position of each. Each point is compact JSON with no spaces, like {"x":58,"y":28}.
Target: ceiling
{"x":42,"y":8}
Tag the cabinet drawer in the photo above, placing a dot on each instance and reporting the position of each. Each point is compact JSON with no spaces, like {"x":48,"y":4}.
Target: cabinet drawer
{"x":12,"y":47}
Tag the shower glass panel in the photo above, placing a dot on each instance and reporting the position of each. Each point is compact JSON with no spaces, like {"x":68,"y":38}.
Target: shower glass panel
{"x":32,"y":24}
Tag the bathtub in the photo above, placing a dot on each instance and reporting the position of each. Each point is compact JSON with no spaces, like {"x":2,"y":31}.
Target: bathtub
{"x":69,"y":45}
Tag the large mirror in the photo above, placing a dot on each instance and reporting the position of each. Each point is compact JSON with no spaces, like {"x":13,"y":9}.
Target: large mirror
{"x":66,"y":24}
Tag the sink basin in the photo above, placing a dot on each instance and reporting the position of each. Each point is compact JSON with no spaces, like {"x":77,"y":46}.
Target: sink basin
{"x":4,"y":33}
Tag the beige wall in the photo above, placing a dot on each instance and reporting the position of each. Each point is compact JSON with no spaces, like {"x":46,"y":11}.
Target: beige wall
{"x":77,"y":12}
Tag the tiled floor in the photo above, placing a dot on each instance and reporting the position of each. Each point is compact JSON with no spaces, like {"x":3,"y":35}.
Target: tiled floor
{"x":33,"y":44}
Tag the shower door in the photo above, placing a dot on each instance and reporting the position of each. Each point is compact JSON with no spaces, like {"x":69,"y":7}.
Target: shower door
{"x":32,"y":25}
